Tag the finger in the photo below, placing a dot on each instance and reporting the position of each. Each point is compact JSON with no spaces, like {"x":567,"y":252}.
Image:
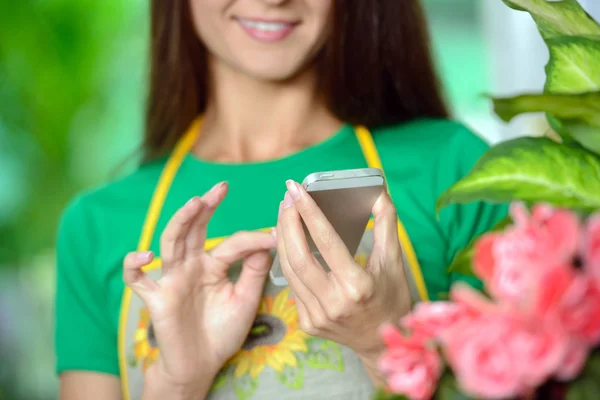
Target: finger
{"x":238,"y":246}
{"x":386,"y":244}
{"x":301,"y":292}
{"x":304,"y":318}
{"x":329,"y":243}
{"x":197,"y":234}
{"x":252,"y":279}
{"x":172,"y":241}
{"x":134,"y":277}
{"x":299,"y":257}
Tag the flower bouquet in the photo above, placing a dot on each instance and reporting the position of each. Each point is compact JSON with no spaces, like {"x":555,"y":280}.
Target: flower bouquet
{"x":534,"y":331}
{"x":540,"y":324}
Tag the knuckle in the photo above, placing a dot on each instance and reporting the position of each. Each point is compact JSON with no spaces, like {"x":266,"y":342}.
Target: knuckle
{"x":299,"y":261}
{"x":307,"y":327}
{"x":303,"y":206}
{"x":287,"y":218}
{"x":319,"y":321}
{"x":390,"y":209}
{"x":325,"y":239}
{"x":361,"y":291}
{"x":128,"y":259}
{"x":338,"y":312}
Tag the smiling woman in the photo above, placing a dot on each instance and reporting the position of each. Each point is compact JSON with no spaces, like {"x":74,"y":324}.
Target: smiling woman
{"x":164,"y":294}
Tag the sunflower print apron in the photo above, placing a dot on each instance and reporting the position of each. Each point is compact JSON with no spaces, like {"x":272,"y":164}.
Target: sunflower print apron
{"x":277,"y":360}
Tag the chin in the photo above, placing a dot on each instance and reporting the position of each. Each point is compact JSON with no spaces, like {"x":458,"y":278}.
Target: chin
{"x":273,"y":71}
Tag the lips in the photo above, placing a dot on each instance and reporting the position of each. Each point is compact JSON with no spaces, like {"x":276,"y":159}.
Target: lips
{"x":267,"y":31}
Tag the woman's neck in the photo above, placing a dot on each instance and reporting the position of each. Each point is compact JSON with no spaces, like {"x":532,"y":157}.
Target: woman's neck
{"x":251,"y":120}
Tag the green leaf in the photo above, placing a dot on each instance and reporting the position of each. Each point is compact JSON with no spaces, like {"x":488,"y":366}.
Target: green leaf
{"x":557,"y":18}
{"x":531,"y":170}
{"x":381,"y":394}
{"x":586,"y":135}
{"x":592,"y":367}
{"x":462,"y":262}
{"x":584,"y":107}
{"x":573,"y":65}
{"x":219,"y":382}
{"x":293,"y":377}
{"x":576,"y":116}
{"x":448,"y":388}
{"x":587,"y":385}
{"x":324,"y":354}
{"x":245,"y":386}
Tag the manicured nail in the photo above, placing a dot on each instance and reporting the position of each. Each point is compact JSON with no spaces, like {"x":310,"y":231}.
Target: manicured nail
{"x":287,"y":200}
{"x":144,"y":256}
{"x":293,"y":189}
{"x":280,"y":209}
{"x":274,"y":233}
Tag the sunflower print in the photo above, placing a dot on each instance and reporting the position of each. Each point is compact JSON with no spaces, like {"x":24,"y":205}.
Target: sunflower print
{"x":145,"y":350}
{"x":274,"y":339}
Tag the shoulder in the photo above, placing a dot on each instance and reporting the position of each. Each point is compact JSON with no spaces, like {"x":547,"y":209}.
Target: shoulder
{"x":445,"y":147}
{"x":128,"y":193}
{"x":429,"y":134}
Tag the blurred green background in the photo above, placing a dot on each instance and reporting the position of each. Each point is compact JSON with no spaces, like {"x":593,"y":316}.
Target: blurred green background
{"x":72,"y":89}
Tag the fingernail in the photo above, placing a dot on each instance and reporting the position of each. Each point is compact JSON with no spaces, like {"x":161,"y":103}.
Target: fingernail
{"x":293,"y":189}
{"x":274,"y":233}
{"x":144,"y":256}
{"x":287,"y":200}
{"x":280,"y":209}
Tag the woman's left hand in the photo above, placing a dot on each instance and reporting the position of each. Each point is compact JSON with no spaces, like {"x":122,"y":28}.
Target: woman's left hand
{"x":349,"y":304}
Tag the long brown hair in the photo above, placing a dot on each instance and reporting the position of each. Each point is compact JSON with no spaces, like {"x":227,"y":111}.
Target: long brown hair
{"x":376,"y":68}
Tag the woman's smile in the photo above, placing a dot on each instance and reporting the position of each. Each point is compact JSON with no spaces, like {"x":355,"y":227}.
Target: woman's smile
{"x":267,"y":30}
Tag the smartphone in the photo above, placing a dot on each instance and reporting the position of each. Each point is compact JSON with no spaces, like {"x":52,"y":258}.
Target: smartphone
{"x":346,"y":198}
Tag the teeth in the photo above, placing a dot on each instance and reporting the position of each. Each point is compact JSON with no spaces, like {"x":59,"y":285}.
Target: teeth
{"x":264,"y":26}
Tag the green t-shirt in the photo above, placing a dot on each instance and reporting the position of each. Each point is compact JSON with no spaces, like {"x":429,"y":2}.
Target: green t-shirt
{"x":421,"y":159}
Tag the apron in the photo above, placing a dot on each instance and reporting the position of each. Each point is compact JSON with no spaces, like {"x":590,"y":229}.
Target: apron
{"x":278,"y":360}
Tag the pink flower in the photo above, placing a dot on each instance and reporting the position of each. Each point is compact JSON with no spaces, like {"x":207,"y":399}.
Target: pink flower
{"x":510,"y":263}
{"x":591,"y":247}
{"x":579,"y":309}
{"x":482,"y":358}
{"x":570,"y":300}
{"x":472,"y":302}
{"x":432,"y":319}
{"x":412,"y":367}
{"x":540,"y":351}
{"x":574,"y":361}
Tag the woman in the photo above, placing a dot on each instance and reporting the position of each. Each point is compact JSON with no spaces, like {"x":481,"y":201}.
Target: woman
{"x":255,"y":94}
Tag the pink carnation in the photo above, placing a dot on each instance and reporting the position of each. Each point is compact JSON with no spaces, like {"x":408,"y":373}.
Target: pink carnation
{"x":500,"y":356}
{"x":482,"y":360}
{"x":574,"y":360}
{"x":591,"y":247}
{"x":579,"y":309}
{"x":570,"y":300}
{"x":413,"y":367}
{"x":432,"y":319}
{"x":510,"y":263}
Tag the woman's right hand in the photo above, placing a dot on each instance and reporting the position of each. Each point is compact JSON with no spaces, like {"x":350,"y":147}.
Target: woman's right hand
{"x":200,"y":318}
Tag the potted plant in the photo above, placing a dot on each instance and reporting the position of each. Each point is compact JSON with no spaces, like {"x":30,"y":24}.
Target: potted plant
{"x":534,"y":332}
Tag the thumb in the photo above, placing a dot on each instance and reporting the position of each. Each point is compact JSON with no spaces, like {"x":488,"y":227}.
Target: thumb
{"x":386,"y":244}
{"x":252,"y":279}
{"x":135,"y":277}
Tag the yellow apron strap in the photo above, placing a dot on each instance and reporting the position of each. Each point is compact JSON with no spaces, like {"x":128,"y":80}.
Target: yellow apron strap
{"x":156,"y":204}
{"x":370,"y":151}
{"x":164,"y":183}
